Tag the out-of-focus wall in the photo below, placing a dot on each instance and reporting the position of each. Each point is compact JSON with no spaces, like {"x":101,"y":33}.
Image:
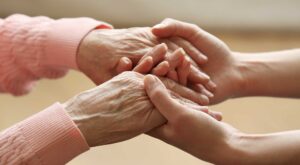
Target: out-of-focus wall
{"x":224,"y":14}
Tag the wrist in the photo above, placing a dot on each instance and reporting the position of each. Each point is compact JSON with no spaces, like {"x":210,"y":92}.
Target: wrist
{"x":237,"y":75}
{"x":63,"y":39}
{"x":236,"y":150}
{"x":74,"y":112}
{"x":248,"y":68}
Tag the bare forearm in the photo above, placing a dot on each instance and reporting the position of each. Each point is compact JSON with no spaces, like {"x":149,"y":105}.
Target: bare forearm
{"x":271,"y":74}
{"x":277,"y":148}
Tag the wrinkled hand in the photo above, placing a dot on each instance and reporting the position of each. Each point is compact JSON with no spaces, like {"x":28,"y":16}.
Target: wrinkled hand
{"x":119,"y":109}
{"x":188,"y":128}
{"x":222,"y":65}
{"x":104,"y":53}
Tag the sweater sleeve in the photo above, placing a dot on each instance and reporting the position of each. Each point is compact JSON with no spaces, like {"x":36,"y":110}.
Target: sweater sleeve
{"x":32,"y":48}
{"x":47,"y":138}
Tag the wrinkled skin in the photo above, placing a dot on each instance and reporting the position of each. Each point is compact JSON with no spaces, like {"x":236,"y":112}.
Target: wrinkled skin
{"x":119,"y":109}
{"x":104,"y":53}
{"x":101,"y":50}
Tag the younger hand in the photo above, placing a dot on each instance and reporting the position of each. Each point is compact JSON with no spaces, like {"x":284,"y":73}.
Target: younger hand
{"x":187,"y":128}
{"x":222,"y":65}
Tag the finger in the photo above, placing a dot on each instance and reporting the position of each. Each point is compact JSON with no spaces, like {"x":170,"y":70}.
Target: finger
{"x":176,"y":58}
{"x":201,"y":89}
{"x":158,"y":53}
{"x":183,"y":71}
{"x":171,"y":45}
{"x":201,"y":39}
{"x":211,"y":86}
{"x":217,"y":115}
{"x":198,"y":77}
{"x":144,"y":66}
{"x":172,"y":74}
{"x":170,"y":27}
{"x":193,"y":52}
{"x":185,"y":92}
{"x":160,"y":97}
{"x":191,"y":32}
{"x":214,"y":114}
{"x":161,"y":69}
{"x":124,"y":64}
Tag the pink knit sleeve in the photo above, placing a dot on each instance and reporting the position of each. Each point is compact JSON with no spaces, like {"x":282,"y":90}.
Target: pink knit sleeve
{"x":39,"y":47}
{"x":47,"y":138}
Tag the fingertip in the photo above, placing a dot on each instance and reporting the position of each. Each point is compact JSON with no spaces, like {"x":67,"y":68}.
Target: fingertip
{"x":204,"y":58}
{"x":219,"y":116}
{"x":149,"y":60}
{"x":164,"y":46}
{"x":149,"y":82}
{"x":125,"y":64}
{"x":211,"y":86}
{"x":162,"y":69}
{"x":203,"y":100}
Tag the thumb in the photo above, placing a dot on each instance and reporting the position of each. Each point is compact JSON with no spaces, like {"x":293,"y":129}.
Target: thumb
{"x":163,"y":29}
{"x":160,"y":97}
{"x":170,"y":28}
{"x":124,"y":64}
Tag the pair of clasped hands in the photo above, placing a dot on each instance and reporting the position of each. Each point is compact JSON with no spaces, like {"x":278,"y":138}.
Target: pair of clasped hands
{"x":157,"y":81}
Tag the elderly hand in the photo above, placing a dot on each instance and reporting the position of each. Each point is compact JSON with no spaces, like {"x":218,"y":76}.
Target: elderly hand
{"x":119,"y":109}
{"x":222,"y":65}
{"x":104,"y":53}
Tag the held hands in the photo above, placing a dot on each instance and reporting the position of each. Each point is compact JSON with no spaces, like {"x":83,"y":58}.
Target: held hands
{"x":188,"y":128}
{"x":119,"y":109}
{"x":105,"y":53}
{"x":128,"y":49}
{"x":223,"y":65}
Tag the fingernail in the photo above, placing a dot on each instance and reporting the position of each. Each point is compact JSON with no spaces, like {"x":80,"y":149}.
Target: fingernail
{"x":150,"y":81}
{"x":206,"y":77}
{"x":204,"y":100}
{"x":212,"y":85}
{"x":182,"y":51}
{"x":125,"y":60}
{"x":149,"y":59}
{"x":159,"y":26}
{"x":164,"y":45}
{"x":210,"y":95}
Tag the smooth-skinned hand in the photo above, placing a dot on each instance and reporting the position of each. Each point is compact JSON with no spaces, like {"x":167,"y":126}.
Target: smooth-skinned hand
{"x":222,"y":65}
{"x":187,"y":128}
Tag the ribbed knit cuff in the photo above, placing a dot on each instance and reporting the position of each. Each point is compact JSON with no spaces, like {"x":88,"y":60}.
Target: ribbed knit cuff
{"x":64,"y":37}
{"x":53,"y":136}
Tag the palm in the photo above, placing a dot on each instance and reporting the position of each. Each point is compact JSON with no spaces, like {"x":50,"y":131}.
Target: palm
{"x":221,"y":68}
{"x":221,"y":65}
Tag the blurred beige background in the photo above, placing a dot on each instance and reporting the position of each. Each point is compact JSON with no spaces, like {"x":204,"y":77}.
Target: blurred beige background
{"x":257,"y":25}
